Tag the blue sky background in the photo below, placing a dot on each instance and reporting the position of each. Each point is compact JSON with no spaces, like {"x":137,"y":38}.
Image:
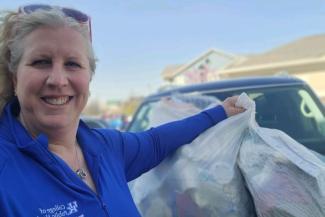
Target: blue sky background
{"x":135,"y":39}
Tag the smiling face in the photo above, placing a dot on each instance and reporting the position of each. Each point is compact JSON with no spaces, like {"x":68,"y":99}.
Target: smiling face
{"x":52,"y":79}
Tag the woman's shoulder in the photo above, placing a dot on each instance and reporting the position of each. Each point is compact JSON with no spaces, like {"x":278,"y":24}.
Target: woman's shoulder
{"x":107,"y":135}
{"x":116,"y":136}
{"x":6,"y":151}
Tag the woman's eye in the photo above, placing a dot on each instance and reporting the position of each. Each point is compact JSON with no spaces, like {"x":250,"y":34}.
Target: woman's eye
{"x":41,"y":62}
{"x":72,"y":64}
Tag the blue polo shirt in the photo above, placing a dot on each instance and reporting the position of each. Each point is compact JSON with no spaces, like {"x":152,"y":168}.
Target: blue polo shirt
{"x":34,"y":182}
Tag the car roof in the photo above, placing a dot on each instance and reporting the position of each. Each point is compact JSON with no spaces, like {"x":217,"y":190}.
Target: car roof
{"x":232,"y":84}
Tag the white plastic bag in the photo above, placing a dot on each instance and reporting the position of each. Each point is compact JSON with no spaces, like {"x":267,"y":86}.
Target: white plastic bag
{"x":285,"y":178}
{"x":201,"y":178}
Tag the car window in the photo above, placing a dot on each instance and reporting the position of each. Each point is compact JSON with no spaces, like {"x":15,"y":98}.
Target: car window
{"x":311,"y":111}
{"x":141,"y":118}
{"x":290,"y":109}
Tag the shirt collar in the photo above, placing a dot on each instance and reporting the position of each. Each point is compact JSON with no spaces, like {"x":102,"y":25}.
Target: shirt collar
{"x":38,"y":147}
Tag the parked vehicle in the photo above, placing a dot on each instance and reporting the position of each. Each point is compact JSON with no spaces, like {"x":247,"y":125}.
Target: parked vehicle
{"x":283,"y":103}
{"x":95,"y":122}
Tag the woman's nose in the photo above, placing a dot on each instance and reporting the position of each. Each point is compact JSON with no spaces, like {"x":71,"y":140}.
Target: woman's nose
{"x":57,"y":76}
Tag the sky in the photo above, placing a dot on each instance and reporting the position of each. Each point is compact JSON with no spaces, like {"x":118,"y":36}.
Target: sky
{"x":134,"y":40}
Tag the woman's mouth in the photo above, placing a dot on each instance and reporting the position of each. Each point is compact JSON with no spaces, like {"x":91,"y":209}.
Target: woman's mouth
{"x":57,"y":100}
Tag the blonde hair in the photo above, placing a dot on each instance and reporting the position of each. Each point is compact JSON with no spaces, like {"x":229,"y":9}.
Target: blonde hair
{"x":14,"y":27}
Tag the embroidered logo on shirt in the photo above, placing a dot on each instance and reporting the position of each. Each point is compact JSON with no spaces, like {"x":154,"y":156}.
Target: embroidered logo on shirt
{"x":60,"y":210}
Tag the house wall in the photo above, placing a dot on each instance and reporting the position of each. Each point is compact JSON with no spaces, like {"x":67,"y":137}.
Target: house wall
{"x":206,"y":69}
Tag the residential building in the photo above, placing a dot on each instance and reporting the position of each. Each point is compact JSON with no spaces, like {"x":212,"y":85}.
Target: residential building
{"x":202,"y":69}
{"x":303,"y":58}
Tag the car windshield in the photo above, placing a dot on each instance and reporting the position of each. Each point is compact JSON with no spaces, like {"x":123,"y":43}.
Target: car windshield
{"x":290,"y":109}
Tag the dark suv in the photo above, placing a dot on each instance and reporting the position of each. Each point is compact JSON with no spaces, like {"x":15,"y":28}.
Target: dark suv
{"x":284,"y":103}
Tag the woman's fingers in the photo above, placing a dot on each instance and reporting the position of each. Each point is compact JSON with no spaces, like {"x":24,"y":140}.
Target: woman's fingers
{"x":229,"y":104}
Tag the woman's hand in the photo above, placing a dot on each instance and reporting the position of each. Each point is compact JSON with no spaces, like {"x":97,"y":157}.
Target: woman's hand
{"x":230,"y":107}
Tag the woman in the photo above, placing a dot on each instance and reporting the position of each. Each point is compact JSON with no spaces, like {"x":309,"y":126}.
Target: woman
{"x":51,"y":163}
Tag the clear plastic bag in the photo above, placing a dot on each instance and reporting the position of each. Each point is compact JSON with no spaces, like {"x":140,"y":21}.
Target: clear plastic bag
{"x":179,"y":106}
{"x":285,"y":178}
{"x":201,"y":178}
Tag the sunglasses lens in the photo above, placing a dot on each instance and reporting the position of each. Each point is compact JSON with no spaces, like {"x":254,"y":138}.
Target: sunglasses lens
{"x":77,"y":15}
{"x":32,"y":8}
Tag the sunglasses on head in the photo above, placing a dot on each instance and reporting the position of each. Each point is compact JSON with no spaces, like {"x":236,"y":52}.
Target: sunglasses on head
{"x":78,"y":16}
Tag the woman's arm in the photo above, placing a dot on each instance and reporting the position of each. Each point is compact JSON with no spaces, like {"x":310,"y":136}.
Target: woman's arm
{"x":147,"y":149}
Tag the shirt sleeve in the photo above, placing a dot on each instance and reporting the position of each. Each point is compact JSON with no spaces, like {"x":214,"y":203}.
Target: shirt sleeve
{"x":143,"y":151}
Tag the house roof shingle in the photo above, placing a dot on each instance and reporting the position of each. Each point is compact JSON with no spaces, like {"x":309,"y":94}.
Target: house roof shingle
{"x":305,"y":48}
